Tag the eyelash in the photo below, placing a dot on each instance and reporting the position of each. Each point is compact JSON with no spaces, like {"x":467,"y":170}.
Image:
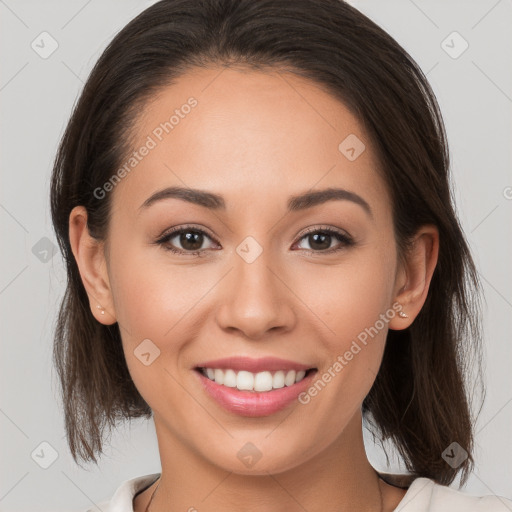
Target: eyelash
{"x":346,"y":241}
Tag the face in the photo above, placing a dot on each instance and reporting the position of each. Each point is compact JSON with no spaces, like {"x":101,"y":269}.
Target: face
{"x":252,"y":274}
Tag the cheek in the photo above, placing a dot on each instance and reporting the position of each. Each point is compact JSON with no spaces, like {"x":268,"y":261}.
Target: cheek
{"x":151,"y":298}
{"x":154,"y":308}
{"x":352,"y":300}
{"x":351,"y":296}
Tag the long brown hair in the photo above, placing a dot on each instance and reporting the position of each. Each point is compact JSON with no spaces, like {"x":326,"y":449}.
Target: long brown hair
{"x":421,"y":398}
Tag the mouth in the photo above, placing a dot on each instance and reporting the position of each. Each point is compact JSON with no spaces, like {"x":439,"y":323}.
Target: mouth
{"x":254,"y":387}
{"x":260,"y":382}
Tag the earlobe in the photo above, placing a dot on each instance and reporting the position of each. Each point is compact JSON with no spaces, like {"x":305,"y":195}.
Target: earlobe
{"x":90,"y":258}
{"x":416,"y":275}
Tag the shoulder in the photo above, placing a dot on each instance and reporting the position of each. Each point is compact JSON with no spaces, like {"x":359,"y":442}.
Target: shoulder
{"x":425,"y":495}
{"x":122,"y":499}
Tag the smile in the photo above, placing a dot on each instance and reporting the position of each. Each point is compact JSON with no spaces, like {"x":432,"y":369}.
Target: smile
{"x":257,"y":382}
{"x":254,"y":387}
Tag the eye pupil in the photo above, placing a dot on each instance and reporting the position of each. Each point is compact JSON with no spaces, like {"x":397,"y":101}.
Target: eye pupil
{"x":322,"y":244}
{"x":191,"y":238}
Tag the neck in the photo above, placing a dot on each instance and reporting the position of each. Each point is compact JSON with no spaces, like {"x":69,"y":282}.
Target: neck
{"x":338,"y":474}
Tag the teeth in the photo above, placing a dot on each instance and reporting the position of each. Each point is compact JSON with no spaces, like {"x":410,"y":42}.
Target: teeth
{"x":218,"y":376}
{"x":278,"y":380}
{"x":290,"y":378}
{"x":263,"y":381}
{"x":248,"y":381}
{"x":230,"y":379}
{"x":244,"y":380}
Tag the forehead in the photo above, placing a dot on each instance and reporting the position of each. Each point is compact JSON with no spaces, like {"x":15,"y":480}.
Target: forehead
{"x":244,"y":133}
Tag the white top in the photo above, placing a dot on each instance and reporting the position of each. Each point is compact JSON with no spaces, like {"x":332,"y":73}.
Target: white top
{"x":423,"y":495}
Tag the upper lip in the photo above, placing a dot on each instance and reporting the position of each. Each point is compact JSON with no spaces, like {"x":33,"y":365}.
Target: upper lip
{"x":254,"y":365}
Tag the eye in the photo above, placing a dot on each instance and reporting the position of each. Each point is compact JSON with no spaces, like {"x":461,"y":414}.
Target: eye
{"x":319,"y":240}
{"x":190,"y":239}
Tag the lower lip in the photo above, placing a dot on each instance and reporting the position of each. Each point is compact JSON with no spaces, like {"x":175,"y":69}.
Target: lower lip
{"x":254,"y":404}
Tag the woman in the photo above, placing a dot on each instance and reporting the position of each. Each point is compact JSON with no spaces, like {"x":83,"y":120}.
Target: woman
{"x":253,"y":202}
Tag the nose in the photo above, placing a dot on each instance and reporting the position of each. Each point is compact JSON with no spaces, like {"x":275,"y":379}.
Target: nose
{"x":256,"y":299}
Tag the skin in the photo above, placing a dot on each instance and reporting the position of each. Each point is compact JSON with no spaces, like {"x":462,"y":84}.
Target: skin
{"x":256,"y":138}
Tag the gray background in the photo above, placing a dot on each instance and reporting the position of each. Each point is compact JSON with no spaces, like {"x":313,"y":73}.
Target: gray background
{"x":36,"y":94}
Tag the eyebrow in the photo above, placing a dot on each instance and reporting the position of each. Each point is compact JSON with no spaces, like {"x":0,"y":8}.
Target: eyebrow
{"x":295,"y":203}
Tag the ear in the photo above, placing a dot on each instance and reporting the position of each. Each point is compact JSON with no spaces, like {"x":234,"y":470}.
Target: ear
{"x":414,"y":276}
{"x":90,"y":257}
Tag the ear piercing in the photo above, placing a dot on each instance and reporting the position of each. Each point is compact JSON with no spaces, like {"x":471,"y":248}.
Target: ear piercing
{"x":401,"y":314}
{"x":102,"y":309}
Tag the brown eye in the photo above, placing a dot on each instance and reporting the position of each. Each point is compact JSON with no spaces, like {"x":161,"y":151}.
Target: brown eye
{"x":190,"y":241}
{"x":184,"y":241}
{"x":319,"y":240}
